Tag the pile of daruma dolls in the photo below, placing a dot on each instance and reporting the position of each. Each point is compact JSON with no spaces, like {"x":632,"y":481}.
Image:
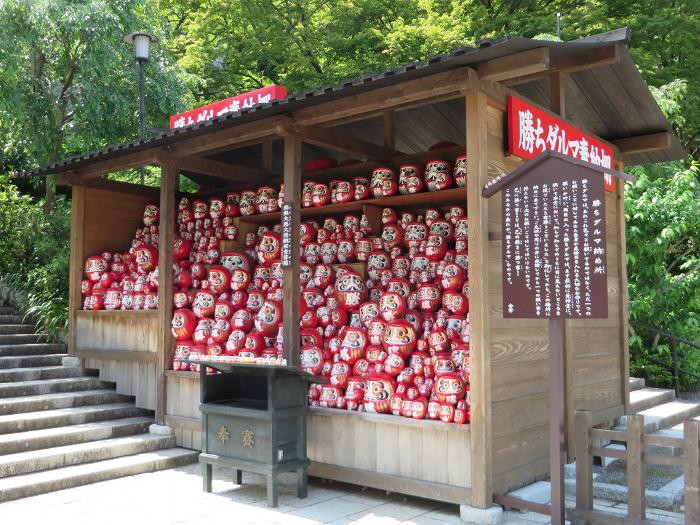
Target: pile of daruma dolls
{"x":384,"y":320}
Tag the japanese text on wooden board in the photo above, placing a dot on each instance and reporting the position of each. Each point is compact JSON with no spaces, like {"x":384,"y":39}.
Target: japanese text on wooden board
{"x":531,"y":131}
{"x":228,"y":105}
{"x":554,"y":246}
{"x":287,"y":235}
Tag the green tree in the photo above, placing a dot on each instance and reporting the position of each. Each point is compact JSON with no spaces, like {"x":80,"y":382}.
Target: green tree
{"x":70,"y":83}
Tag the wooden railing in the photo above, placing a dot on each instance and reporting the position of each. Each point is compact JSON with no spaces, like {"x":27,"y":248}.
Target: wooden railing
{"x":636,"y":457}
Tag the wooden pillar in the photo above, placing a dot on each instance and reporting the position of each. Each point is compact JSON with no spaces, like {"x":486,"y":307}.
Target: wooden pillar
{"x":267,"y":154}
{"x":477,"y":210}
{"x":624,"y":299}
{"x":77,"y":256}
{"x":292,"y":196}
{"x":169,"y":178}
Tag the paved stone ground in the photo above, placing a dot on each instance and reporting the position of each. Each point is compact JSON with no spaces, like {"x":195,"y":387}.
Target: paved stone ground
{"x":175,"y":497}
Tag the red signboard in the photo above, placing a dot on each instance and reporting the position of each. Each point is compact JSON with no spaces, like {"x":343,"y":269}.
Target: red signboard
{"x":216,"y":109}
{"x":531,"y":131}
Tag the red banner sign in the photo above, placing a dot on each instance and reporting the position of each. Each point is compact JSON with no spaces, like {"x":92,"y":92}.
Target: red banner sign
{"x":216,"y":109}
{"x":532,"y":131}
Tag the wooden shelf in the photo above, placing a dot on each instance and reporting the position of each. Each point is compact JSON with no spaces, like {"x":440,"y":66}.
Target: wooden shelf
{"x":416,"y":200}
{"x":182,"y":374}
{"x":118,"y":313}
{"x":389,"y":419}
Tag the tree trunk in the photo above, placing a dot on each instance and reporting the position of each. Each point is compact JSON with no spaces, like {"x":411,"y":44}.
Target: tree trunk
{"x":50,"y":195}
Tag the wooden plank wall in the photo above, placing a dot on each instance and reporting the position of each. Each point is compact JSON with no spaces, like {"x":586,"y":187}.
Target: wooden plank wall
{"x":182,"y":408}
{"x":111,"y":219}
{"x":519,"y":353}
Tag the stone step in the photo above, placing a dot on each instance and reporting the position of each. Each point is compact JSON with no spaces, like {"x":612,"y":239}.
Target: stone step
{"x":52,"y":386}
{"x":636,"y":383}
{"x":62,"y":417}
{"x":18,"y":405}
{"x":17,"y":329}
{"x":9,"y":310}
{"x":26,"y":361}
{"x":44,"y":372}
{"x":13,"y":318}
{"x":650,"y":397}
{"x":32,"y":349}
{"x":666,"y":415}
{"x":59,"y":457}
{"x":73,"y":434}
{"x":21,"y":339}
{"x":41,"y":482}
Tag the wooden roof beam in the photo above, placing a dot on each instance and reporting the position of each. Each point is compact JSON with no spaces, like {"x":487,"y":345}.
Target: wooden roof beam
{"x":220,"y":170}
{"x":644,"y":143}
{"x":516,"y":65}
{"x":227,"y":138}
{"x":331,"y":139}
{"x":134,"y":160}
{"x":596,"y":57}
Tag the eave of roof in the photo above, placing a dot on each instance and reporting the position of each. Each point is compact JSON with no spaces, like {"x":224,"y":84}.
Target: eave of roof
{"x":434,"y":64}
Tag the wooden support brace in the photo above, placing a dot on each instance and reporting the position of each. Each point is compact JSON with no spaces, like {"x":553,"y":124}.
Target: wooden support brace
{"x":636,"y":486}
{"x":77,"y":256}
{"x":337,"y":141}
{"x":222,"y":170}
{"x":515,"y":65}
{"x":644,"y":143}
{"x":600,"y":56}
{"x":132,"y":160}
{"x":584,"y":472}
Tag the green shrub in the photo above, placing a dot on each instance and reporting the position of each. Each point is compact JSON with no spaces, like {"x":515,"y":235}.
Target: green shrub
{"x":34,"y":257}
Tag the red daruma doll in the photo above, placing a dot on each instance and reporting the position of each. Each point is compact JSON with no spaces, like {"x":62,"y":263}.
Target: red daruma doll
{"x":380,"y":389}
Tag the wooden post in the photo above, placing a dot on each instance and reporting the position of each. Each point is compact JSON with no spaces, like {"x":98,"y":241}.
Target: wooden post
{"x":636,"y":496}
{"x":477,"y":210}
{"x":557,"y":435}
{"x":624,"y":301}
{"x":558,"y":93}
{"x":558,"y":106}
{"x":267,"y":154}
{"x":292,"y":195}
{"x":389,"y":130}
{"x":77,"y":256}
{"x":169,"y":177}
{"x":691,"y":445}
{"x":584,"y":472}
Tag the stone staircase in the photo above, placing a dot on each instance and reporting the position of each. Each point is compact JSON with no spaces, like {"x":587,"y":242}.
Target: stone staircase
{"x":62,"y":427}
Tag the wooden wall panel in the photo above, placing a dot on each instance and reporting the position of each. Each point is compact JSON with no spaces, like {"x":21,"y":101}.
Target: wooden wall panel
{"x":134,"y":330}
{"x":131,"y":378}
{"x":519,"y":351}
{"x":111,"y":219}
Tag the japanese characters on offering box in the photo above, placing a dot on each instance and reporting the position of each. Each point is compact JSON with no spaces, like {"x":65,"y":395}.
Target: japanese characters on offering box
{"x":532,"y":131}
{"x":383,"y":319}
{"x":554,"y":247}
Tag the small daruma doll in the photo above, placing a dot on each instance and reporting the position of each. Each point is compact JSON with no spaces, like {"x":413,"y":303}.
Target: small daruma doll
{"x":391,"y":306}
{"x":460,"y":172}
{"x":399,"y":338}
{"x":350,"y":291}
{"x":312,"y":359}
{"x":449,"y":388}
{"x":379,"y":175}
{"x":203,"y":304}
{"x":268,"y":318}
{"x":410,"y":179}
{"x":219,"y":279}
{"x":270,"y":247}
{"x":151,"y":214}
{"x":146,"y":257}
{"x":380,"y":390}
{"x":95,"y":267}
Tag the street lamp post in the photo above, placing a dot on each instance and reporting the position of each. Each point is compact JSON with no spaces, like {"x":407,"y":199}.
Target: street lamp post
{"x":142,"y":44}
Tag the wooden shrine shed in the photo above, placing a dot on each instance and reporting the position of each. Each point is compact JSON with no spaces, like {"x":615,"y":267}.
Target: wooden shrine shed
{"x":391,"y":117}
